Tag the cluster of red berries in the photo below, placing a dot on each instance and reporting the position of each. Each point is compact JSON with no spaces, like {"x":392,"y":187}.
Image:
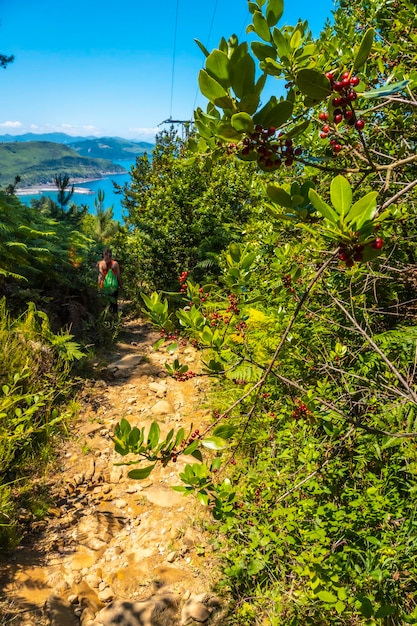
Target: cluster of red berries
{"x":300,"y":410}
{"x":184,"y":376}
{"x":216,"y":414}
{"x":183,"y":281}
{"x":343,"y":109}
{"x":271,"y":153}
{"x":232,"y":308}
{"x":202,"y":296}
{"x":349,"y":254}
{"x":173,"y":335}
{"x":240,"y":328}
{"x":217,"y":318}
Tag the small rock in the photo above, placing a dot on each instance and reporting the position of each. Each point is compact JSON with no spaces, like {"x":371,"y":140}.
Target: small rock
{"x":106,"y":595}
{"x":172,"y":556}
{"x":161,"y":408}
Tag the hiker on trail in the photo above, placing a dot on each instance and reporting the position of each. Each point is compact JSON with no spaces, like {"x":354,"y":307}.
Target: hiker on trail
{"x":109,"y":279}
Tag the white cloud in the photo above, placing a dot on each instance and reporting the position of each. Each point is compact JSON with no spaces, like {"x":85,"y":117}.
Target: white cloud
{"x":146,"y":134}
{"x":11,"y":125}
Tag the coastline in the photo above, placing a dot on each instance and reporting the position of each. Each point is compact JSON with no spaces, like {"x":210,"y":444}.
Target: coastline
{"x":39,"y":189}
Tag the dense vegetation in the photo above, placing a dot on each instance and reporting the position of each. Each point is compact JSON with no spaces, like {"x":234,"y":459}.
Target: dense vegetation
{"x":280,"y":240}
{"x":306,"y":320}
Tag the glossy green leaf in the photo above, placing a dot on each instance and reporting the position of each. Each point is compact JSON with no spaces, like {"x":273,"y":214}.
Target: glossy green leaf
{"x":363,"y":210}
{"x":341,"y":195}
{"x":192,"y":447}
{"x":279,"y":196}
{"x":322,"y":207}
{"x":210,"y":88}
{"x":225,"y":431}
{"x":274,"y":11}
{"x":203,"y":498}
{"x":218,"y":66}
{"x":202,"y":48}
{"x":263,"y":51}
{"x":282,"y":43}
{"x":242,"y":122}
{"x":274,"y":113}
{"x":235,"y":252}
{"x":249,"y":103}
{"x":261,"y":26}
{"x":385,"y":91}
{"x":243,"y":76}
{"x":364,"y":48}
{"x":313,"y":84}
{"x":247,"y":260}
{"x":140,"y":474}
{"x":214,"y":443}
{"x":327,"y":596}
{"x":153,"y":436}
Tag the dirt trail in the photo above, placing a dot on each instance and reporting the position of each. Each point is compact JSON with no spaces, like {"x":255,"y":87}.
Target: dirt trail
{"x":107,"y":537}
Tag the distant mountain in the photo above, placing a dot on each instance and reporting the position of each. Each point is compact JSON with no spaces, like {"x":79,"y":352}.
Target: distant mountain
{"x":113,"y":148}
{"x":54,"y":137}
{"x":127,"y":146}
{"x":38,"y":162}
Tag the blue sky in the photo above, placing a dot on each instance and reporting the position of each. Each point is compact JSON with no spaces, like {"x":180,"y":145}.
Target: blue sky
{"x":102,"y":68}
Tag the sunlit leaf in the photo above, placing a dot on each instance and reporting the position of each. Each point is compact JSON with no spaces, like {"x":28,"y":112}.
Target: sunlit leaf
{"x":218,"y":66}
{"x":261,"y":26}
{"x":385,"y":91}
{"x":279,"y":196}
{"x":313,"y":84}
{"x":242,"y":122}
{"x":322,"y":207}
{"x":140,"y":474}
{"x":214,"y":443}
{"x":210,"y":88}
{"x":274,"y":11}
{"x":341,"y":195}
{"x":364,"y":48}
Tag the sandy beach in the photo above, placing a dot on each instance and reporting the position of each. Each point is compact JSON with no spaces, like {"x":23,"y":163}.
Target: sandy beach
{"x":39,"y":189}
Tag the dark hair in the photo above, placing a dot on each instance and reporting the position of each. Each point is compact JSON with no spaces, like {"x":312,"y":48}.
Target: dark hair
{"x":107,"y":251}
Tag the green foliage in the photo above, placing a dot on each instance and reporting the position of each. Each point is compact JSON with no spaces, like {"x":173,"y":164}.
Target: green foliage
{"x":308,"y":327}
{"x":34,"y":392}
{"x":180,"y":218}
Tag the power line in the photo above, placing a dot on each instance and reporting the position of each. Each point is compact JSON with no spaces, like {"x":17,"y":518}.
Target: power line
{"x":173,"y":58}
{"x":208,"y":41}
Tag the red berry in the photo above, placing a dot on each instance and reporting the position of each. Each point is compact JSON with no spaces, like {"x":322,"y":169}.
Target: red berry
{"x":323,"y":115}
{"x":354,"y":81}
{"x":346,"y":82}
{"x":338,"y":86}
{"x":359,"y":125}
{"x":336,"y":101}
{"x":378,"y":243}
{"x":338,"y":118}
{"x":337,"y":147}
{"x":352,"y":95}
{"x":323,"y":135}
{"x":346,"y":75}
{"x":329,"y":75}
{"x":343,"y":256}
{"x":326,"y":128}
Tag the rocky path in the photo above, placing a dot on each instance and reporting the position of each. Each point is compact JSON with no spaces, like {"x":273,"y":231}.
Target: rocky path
{"x":113,"y":550}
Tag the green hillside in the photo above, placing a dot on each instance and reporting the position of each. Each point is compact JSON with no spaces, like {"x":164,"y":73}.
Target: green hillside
{"x":113,"y":148}
{"x":38,"y":162}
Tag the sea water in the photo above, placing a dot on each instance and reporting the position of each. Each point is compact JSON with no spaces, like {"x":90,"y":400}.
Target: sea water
{"x":105,"y":184}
